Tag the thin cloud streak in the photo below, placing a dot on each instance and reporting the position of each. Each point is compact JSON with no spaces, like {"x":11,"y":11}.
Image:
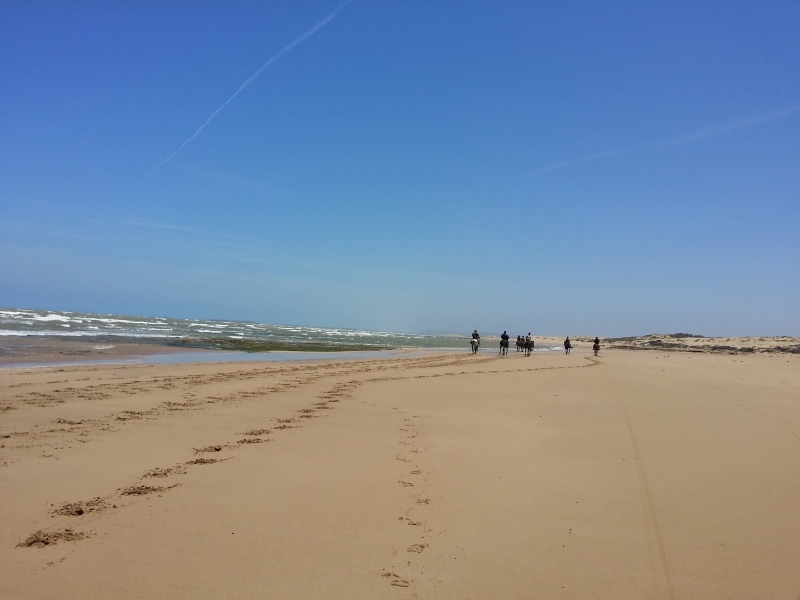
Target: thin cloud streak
{"x":136,"y":222}
{"x":703,"y":134}
{"x":288,"y":48}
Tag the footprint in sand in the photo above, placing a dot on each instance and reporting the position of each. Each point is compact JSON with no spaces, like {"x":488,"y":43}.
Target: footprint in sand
{"x":395,"y":579}
{"x":416,"y":548}
{"x":160,"y":473}
{"x":42,"y":538}
{"x":142,"y":490}
{"x":257,"y":432}
{"x":202,"y":461}
{"x":216,"y":448}
{"x":76,"y":509}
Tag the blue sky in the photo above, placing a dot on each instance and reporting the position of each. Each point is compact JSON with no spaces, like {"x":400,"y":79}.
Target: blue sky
{"x":578,"y":168}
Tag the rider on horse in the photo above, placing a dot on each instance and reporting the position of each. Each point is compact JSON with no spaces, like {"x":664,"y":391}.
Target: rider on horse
{"x":475,"y":342}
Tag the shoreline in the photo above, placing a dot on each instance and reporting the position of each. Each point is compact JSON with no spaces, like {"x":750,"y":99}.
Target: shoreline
{"x":40,"y":352}
{"x":54,"y":350}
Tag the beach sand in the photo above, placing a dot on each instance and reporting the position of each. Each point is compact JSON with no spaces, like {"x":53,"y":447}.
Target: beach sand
{"x":634,"y":475}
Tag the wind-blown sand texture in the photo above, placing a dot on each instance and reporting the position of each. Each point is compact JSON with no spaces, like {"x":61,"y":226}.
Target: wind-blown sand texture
{"x":635,"y":475}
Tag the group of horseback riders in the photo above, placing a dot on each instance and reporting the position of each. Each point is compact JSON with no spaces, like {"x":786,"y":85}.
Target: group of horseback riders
{"x":524,"y":344}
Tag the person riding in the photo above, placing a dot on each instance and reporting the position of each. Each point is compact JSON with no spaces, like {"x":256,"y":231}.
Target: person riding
{"x":475,"y":342}
{"x":528,"y":344}
{"x":567,"y":345}
{"x":596,"y":346}
{"x":503,"y":342}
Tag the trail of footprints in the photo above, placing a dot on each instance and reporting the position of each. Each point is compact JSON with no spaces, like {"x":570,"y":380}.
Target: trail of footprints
{"x":185,"y":386}
{"x":410,"y":476}
{"x":299,"y":376}
{"x":98,"y":505}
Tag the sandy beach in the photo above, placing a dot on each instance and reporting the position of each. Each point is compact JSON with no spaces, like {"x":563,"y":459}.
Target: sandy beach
{"x":633,"y":475}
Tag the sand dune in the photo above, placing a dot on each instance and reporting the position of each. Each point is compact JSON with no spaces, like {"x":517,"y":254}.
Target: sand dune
{"x":682,"y":342}
{"x":633,"y":475}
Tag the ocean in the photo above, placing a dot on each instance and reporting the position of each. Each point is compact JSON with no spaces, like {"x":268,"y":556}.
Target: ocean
{"x":227,"y":334}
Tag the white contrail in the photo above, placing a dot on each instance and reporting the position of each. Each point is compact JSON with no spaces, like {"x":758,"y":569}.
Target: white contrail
{"x":301,"y":38}
{"x":703,"y":134}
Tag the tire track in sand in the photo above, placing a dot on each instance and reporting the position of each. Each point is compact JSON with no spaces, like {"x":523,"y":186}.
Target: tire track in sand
{"x":645,"y":491}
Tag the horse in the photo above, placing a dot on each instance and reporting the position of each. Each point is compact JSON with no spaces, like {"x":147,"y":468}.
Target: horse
{"x":475,"y":343}
{"x":520,"y":344}
{"x":596,"y":348}
{"x":503,"y":346}
{"x":528,"y":347}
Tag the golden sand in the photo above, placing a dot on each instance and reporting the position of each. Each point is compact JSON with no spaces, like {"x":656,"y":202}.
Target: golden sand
{"x":635,"y":475}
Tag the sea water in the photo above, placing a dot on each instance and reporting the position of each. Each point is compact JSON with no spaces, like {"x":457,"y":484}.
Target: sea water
{"x":90,"y":326}
{"x":119,"y":329}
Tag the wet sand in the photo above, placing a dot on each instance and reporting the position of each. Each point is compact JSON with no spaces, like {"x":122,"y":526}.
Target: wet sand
{"x":634,"y":475}
{"x":32,"y":350}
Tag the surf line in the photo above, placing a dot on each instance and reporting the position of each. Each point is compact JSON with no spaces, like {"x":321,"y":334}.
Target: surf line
{"x":288,"y":48}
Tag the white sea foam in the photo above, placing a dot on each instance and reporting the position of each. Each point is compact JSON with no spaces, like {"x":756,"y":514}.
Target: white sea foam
{"x":41,"y":323}
{"x":51,"y":317}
